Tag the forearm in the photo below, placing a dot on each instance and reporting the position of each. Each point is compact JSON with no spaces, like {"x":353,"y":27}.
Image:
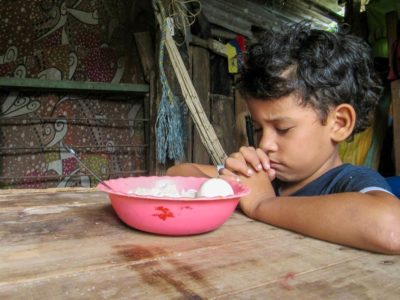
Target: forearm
{"x":195,"y":170}
{"x":356,"y":219}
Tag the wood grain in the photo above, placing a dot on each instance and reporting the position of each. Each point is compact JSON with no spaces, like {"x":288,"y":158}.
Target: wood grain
{"x":69,"y":245}
{"x":201,"y":82}
{"x":393,"y":34}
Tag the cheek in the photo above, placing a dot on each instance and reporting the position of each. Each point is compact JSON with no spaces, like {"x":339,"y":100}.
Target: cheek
{"x":296,"y":151}
{"x":313,"y":133}
{"x":305,"y":147}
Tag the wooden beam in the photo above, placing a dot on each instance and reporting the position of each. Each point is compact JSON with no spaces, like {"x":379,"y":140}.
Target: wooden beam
{"x":201,"y":83}
{"x":148,"y":59}
{"x":223,"y":120}
{"x":395,"y":90}
{"x":7,"y":83}
{"x":210,"y":44}
{"x":145,"y":47}
{"x":392,"y":35}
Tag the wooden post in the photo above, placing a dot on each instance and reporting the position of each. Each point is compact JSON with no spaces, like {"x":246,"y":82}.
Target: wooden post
{"x":223,"y":120}
{"x":241,"y":113}
{"x":145,"y":47}
{"x":146,"y":50}
{"x":395,"y":90}
{"x":392,"y":35}
{"x":201,"y":82}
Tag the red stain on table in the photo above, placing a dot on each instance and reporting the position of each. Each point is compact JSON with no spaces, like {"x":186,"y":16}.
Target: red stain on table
{"x":164,"y":213}
{"x":284,"y":281}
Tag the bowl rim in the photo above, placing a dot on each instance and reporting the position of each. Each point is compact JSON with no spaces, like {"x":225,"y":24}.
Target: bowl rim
{"x":243,"y":190}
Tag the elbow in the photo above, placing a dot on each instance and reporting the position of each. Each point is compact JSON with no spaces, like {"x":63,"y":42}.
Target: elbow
{"x":178,"y":169}
{"x":250,"y":208}
{"x":172,"y":171}
{"x":387,"y":238}
{"x":390,"y":242}
{"x":246,"y":209}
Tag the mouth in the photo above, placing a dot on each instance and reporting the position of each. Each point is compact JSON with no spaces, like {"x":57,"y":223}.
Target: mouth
{"x":274,"y":164}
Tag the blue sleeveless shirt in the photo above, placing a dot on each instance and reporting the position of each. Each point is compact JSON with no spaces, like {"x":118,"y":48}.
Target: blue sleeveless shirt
{"x":345,"y":178}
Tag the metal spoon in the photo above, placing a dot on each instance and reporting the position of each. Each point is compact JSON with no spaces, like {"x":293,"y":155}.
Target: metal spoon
{"x":76,"y":156}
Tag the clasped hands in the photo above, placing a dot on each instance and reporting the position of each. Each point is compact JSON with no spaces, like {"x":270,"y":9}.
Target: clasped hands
{"x":247,"y":162}
{"x":251,"y":167}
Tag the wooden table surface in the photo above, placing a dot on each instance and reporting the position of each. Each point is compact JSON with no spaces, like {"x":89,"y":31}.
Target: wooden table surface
{"x":70,"y":244}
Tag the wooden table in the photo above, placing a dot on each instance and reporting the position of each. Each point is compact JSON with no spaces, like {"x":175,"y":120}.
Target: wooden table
{"x":70,"y":245}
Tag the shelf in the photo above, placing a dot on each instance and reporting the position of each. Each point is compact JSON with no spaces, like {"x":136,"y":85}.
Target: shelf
{"x":72,"y":86}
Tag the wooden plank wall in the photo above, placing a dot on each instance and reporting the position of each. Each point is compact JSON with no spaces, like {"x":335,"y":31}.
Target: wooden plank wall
{"x":392,"y":34}
{"x":223,"y":120}
{"x":200,"y":58}
{"x":219,"y":108}
{"x":147,"y":53}
{"x":241,"y":113}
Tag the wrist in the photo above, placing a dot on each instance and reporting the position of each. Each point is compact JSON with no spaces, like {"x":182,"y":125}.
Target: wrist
{"x":250,"y":205}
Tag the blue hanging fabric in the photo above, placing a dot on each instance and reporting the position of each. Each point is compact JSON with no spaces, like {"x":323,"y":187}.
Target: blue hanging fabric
{"x":169,"y":123}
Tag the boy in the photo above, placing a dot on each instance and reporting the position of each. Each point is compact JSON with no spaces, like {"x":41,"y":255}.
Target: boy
{"x":308,"y":90}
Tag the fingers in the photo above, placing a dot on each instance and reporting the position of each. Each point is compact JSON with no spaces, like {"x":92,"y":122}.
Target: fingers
{"x":247,"y":161}
{"x":263,"y":158}
{"x":238,"y":165}
{"x":265,"y":162}
{"x":252,"y":160}
{"x":226,"y":172}
{"x":227,"y":175}
{"x":271,"y":174}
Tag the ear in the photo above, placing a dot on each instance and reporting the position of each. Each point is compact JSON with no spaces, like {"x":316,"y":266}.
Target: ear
{"x":342,"y":121}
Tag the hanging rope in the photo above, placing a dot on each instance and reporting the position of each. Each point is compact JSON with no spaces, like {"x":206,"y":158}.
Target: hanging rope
{"x":169,"y":125}
{"x":182,"y":16}
{"x":203,"y":125}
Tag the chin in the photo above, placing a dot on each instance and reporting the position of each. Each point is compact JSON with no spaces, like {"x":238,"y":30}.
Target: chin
{"x":285,"y":177}
{"x":280,"y":177}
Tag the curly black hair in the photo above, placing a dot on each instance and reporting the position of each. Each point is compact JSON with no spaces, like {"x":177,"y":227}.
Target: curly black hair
{"x":326,"y":69}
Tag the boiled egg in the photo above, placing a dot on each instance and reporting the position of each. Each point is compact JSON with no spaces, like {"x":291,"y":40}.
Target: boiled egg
{"x":215,"y":187}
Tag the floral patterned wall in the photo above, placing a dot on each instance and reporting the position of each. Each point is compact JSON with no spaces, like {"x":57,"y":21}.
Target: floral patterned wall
{"x":80,"y":40}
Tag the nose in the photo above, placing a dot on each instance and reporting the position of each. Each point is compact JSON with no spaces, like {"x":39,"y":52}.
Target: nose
{"x":267,"y":141}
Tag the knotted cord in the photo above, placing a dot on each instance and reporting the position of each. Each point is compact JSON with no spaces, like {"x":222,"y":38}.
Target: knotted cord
{"x":169,"y":125}
{"x":203,"y":125}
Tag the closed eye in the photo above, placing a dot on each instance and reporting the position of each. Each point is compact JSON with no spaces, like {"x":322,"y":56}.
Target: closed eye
{"x":283,"y":130}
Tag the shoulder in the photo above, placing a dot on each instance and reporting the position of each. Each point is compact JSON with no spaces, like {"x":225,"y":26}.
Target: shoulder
{"x":361,"y":179}
{"x":346,"y":178}
{"x":359,"y":171}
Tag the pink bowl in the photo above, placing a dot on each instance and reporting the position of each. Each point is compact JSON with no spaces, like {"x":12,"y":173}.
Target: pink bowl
{"x":170,"y":215}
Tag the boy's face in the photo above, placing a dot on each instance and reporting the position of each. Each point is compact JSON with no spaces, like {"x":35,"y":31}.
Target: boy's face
{"x":298,"y":145}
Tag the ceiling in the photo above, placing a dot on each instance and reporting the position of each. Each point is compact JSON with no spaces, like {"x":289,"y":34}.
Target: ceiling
{"x":245,"y":16}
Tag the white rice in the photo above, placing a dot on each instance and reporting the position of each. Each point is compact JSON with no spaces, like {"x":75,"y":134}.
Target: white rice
{"x":164,"y":188}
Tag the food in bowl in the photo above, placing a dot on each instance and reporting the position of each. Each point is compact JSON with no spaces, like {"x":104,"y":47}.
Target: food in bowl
{"x":215,"y":187}
{"x":164,"y":188}
{"x":168,"y":215}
